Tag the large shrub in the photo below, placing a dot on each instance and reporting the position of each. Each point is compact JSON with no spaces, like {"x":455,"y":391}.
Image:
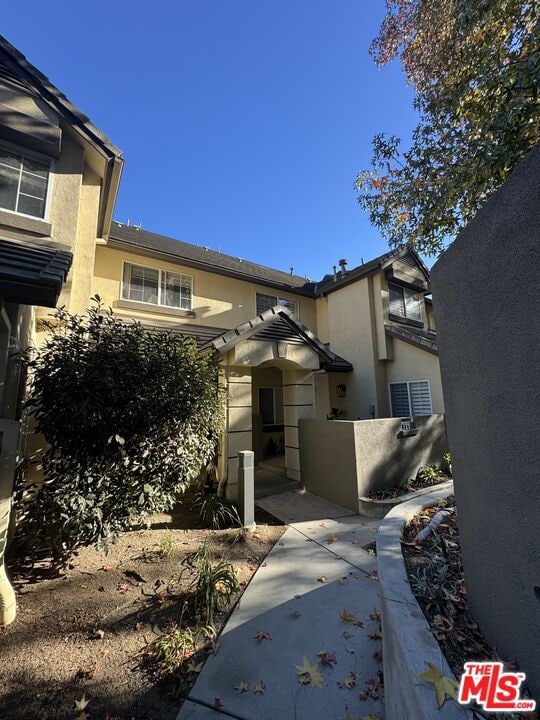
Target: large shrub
{"x":130,"y":416}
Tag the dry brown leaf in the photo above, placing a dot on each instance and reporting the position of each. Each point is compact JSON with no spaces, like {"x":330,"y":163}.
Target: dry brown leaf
{"x":332,"y":538}
{"x":327,"y":658}
{"x":322,"y":579}
{"x":259,"y":688}
{"x":346,"y":616}
{"x":349,"y":682}
{"x":444,"y":686}
{"x":375,"y":635}
{"x":262,"y":635}
{"x":242,"y":687}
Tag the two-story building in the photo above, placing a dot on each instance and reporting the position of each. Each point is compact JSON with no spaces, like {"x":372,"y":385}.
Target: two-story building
{"x":359,"y":344}
{"x":59,"y":176}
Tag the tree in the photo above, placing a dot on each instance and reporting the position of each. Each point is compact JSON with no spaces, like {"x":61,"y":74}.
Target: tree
{"x":475,"y":69}
{"x":130,"y":416}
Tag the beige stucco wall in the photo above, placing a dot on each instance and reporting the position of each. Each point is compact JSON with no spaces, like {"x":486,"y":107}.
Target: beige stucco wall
{"x":218,"y":300}
{"x":412,"y":363}
{"x":350,"y":335}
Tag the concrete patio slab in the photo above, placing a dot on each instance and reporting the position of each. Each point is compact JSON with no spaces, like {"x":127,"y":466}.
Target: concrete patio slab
{"x":296,"y":597}
{"x":299,"y":505}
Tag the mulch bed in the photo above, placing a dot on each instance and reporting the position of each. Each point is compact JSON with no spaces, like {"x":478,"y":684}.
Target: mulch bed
{"x":435,"y":571}
{"x":410,"y":486}
{"x":78,"y":634}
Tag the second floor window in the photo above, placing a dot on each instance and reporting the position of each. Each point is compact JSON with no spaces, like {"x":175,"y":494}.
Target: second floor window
{"x":405,"y":303}
{"x":158,"y":287}
{"x":23,"y":183}
{"x":265,"y":302}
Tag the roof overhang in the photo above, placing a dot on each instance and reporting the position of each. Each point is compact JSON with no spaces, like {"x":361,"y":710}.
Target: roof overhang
{"x":32,"y":274}
{"x":424,"y":340}
{"x":277,"y":325}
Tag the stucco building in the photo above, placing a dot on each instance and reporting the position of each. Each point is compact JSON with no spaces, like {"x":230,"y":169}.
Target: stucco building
{"x":356,"y":344}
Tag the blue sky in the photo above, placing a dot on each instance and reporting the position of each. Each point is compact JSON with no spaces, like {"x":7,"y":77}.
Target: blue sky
{"x":243,"y":122}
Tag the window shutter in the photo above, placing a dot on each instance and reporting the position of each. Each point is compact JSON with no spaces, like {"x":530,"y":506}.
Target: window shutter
{"x":397,"y":306}
{"x":400,"y":400}
{"x":420,"y":397}
{"x":265,"y":302}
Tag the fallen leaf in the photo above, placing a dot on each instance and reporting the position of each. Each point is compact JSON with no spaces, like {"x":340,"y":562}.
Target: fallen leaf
{"x":332,"y":538}
{"x":98,"y":635}
{"x":83,"y":716}
{"x":322,"y":579}
{"x":296,"y":614}
{"x":264,"y":564}
{"x":124,"y":587}
{"x":375,"y":635}
{"x":106,"y":568}
{"x":297,"y":597}
{"x":373,"y":574}
{"x":347,"y":635}
{"x":375,"y":615}
{"x":358,"y":623}
{"x":342,"y":580}
{"x":444,"y":686}
{"x":309,"y":674}
{"x":260,"y":687}
{"x":217,"y":703}
{"x":322,"y":525}
{"x":327,"y":658}
{"x":262,"y":635}
{"x":139,"y":626}
{"x":349,"y":682}
{"x":346,"y":616}
{"x":81,"y":704}
{"x":377,"y":656}
{"x":242,"y":687}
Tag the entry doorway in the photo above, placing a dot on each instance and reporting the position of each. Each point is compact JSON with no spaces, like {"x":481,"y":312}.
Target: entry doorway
{"x":268,"y":421}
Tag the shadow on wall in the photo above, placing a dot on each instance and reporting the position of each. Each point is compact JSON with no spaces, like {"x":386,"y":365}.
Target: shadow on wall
{"x":343,"y":460}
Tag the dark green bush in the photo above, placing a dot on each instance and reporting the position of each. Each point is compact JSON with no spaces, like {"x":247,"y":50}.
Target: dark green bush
{"x":130,"y":416}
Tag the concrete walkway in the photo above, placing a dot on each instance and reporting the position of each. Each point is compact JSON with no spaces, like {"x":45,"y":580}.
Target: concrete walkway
{"x":317,"y":575}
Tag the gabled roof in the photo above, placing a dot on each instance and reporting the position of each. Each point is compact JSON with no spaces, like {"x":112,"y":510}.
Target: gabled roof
{"x":407,"y":255}
{"x":16,"y":68}
{"x":32,"y":274}
{"x":425,"y":339}
{"x":131,"y":237}
{"x":277,"y":325}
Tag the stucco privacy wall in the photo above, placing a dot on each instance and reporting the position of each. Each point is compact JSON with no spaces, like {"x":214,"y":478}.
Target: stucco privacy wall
{"x":342,"y":460}
{"x":486,"y":291}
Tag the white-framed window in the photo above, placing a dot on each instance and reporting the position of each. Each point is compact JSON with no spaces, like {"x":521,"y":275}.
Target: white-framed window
{"x":158,"y":287}
{"x":264,"y":302}
{"x":271,"y":405}
{"x":410,"y":398}
{"x":24,"y":182}
{"x":405,"y":303}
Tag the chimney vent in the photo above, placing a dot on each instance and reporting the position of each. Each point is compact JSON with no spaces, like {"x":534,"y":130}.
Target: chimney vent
{"x":343,"y":266}
{"x":335,"y":273}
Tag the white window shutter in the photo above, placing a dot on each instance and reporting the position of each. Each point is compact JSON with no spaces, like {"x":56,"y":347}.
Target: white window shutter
{"x":420,"y":397}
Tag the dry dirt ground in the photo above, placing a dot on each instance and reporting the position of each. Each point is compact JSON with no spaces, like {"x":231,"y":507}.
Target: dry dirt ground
{"x":78,"y":634}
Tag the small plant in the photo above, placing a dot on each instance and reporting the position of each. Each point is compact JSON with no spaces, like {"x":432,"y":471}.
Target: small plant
{"x":166,"y":545}
{"x":428,"y":473}
{"x":215,"y":513}
{"x":173,"y":648}
{"x":214,"y":584}
{"x":447,"y":464}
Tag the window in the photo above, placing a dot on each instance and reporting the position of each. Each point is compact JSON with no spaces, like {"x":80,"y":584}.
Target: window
{"x":405,"y":303}
{"x":410,"y":398}
{"x":160,"y":287}
{"x":265,"y":302}
{"x":271,"y":405}
{"x":23,"y":183}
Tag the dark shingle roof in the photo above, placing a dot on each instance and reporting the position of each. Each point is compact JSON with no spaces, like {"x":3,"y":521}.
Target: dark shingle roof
{"x":15,"y":67}
{"x":130,"y":236}
{"x":425,"y":339}
{"x":277,"y":324}
{"x":200,"y":257}
{"x":32,"y":274}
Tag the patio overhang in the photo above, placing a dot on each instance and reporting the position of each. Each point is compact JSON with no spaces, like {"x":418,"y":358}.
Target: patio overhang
{"x":32,"y":274}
